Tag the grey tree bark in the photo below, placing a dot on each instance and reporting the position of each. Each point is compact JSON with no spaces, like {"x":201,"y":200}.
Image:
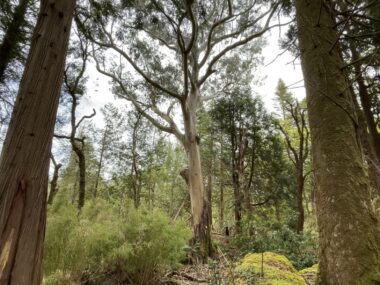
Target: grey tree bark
{"x":348,"y":228}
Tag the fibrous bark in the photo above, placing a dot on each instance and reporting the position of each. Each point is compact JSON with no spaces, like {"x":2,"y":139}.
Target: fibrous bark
{"x":24,"y":161}
{"x":348,"y":228}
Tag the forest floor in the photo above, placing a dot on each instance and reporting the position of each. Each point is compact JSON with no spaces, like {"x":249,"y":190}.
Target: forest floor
{"x":219,"y":271}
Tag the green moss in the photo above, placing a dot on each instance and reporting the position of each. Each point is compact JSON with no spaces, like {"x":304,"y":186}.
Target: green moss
{"x":278,"y":270}
{"x":313,"y":269}
{"x":310,"y":274}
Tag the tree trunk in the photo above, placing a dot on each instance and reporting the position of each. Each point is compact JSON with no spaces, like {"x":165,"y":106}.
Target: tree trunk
{"x":221,"y":187}
{"x":11,"y":40}
{"x":201,"y":222}
{"x":365,"y":100}
{"x":300,"y":188}
{"x":100,"y":165}
{"x":348,"y":229}
{"x":369,"y":153}
{"x":54,"y":181}
{"x":24,"y":162}
{"x":82,"y":174}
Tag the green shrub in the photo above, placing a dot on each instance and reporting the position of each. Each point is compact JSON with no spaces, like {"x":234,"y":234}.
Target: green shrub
{"x":267,"y":269}
{"x":103,"y":244}
{"x":301,"y":249}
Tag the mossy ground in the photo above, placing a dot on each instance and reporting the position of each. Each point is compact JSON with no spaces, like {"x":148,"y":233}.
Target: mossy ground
{"x":277,"y":269}
{"x":310,"y":274}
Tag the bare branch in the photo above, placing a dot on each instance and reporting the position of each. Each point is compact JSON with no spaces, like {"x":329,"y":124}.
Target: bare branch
{"x":85,"y":117}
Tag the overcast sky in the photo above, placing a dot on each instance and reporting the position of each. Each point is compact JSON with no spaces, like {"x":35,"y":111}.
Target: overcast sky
{"x":275,"y":66}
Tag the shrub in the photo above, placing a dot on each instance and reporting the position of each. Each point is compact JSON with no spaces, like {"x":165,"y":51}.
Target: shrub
{"x":103,"y":244}
{"x":267,"y":269}
{"x":301,"y":248}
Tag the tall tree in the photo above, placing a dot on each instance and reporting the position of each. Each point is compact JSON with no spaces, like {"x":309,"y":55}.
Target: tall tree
{"x":24,"y":161}
{"x":195,"y":36}
{"x":296,"y":132}
{"x":74,"y":87}
{"x":348,"y":228}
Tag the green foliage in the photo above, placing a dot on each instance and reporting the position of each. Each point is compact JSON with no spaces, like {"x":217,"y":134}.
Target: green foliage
{"x":267,"y":269}
{"x":110,"y":242}
{"x":299,"y":248}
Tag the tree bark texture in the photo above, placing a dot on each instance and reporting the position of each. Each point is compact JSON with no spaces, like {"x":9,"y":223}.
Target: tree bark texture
{"x":348,"y":228}
{"x":201,"y":222}
{"x":24,"y":161}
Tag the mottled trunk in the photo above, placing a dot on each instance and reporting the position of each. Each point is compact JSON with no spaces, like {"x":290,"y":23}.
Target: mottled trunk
{"x":348,"y":229}
{"x":201,"y":222}
{"x":12,"y":37}
{"x":24,"y":162}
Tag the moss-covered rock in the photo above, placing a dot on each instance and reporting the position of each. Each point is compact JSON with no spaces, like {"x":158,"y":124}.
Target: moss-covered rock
{"x":277,"y":270}
{"x":310,"y":274}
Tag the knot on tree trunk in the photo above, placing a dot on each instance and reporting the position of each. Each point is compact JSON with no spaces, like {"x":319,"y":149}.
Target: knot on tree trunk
{"x":185,"y":175}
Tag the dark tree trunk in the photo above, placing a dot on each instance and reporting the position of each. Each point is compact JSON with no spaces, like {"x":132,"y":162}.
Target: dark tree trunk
{"x":82,"y":175}
{"x":300,"y":190}
{"x":12,"y":37}
{"x":54,"y":181}
{"x":365,"y":100}
{"x":24,"y":162}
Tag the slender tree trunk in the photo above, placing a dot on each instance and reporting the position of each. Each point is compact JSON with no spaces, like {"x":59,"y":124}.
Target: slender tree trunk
{"x":365,"y":100}
{"x":82,"y":174}
{"x":300,"y":190}
{"x":11,"y":40}
{"x":369,"y":153}
{"x":134,"y":170}
{"x":348,"y":228}
{"x":24,"y":162}
{"x":221,"y":187}
{"x":54,"y":181}
{"x":102,"y":150}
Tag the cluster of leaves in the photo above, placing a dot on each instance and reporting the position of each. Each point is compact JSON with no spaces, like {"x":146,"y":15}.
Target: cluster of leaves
{"x":110,"y":241}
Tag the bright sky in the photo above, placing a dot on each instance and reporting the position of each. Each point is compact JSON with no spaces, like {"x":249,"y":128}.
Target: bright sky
{"x":283,"y":67}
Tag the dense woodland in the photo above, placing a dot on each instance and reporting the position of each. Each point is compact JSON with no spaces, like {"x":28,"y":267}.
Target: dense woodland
{"x":185,"y":176}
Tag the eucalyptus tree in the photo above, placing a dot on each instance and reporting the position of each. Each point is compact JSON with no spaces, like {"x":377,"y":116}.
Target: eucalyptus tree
{"x":24,"y":161}
{"x":110,"y":142}
{"x":165,"y":53}
{"x":74,"y":86}
{"x":348,"y":228}
{"x":295,"y":130}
